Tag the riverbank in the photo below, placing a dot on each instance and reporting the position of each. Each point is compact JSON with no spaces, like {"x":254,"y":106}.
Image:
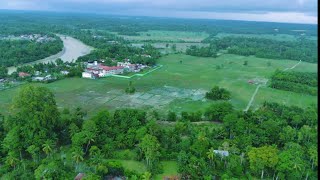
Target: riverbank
{"x":73,"y":48}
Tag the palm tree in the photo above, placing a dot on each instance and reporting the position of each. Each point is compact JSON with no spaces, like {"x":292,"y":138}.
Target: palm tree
{"x":146,"y":176}
{"x":12,"y":160}
{"x":77,"y":156}
{"x":90,"y":138}
{"x":47,"y":147}
{"x":211,"y":155}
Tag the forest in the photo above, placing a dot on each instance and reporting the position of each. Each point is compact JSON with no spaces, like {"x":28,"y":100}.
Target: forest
{"x":14,"y":52}
{"x":39,"y":141}
{"x":301,"y":82}
{"x":202,"y":51}
{"x":304,"y":50}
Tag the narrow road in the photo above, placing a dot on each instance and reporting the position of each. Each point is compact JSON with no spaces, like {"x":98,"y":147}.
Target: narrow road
{"x":292,"y":66}
{"x":252,"y":98}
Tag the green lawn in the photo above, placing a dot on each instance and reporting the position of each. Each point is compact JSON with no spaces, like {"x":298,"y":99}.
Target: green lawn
{"x":170,"y":168}
{"x":176,"y":86}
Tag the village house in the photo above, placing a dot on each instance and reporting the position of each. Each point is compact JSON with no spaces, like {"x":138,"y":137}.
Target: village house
{"x":94,"y":69}
{"x":23,"y":74}
{"x":64,"y":72}
{"x":221,"y":153}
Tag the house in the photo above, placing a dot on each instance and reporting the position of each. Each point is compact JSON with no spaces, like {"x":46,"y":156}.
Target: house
{"x":79,"y":176}
{"x":221,"y":153}
{"x":37,"y":73}
{"x":107,"y":70}
{"x":87,"y":75}
{"x":123,"y":64}
{"x":146,"y":55}
{"x":23,"y":74}
{"x":38,"y":79}
{"x":64,"y":72}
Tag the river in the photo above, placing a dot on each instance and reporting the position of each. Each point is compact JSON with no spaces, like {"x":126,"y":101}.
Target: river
{"x":73,"y":48}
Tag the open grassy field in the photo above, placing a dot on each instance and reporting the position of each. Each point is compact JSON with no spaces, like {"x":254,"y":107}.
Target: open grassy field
{"x":279,"y":37}
{"x":170,"y":168}
{"x":180,"y":47}
{"x":175,"y":36}
{"x":177,"y":86}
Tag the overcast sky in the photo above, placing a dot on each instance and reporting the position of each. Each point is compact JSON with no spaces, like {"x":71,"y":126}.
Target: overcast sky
{"x":293,"y":11}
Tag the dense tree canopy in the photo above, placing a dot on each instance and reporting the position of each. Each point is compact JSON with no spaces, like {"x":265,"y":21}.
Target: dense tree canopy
{"x":14,"y":52}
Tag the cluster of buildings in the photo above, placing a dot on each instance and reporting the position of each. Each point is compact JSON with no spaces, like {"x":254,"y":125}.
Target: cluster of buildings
{"x":95,"y":70}
{"x":30,"y":37}
{"x":38,"y":76}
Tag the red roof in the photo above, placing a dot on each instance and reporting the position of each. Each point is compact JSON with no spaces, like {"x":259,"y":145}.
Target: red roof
{"x":23,"y":74}
{"x":108,"y":68}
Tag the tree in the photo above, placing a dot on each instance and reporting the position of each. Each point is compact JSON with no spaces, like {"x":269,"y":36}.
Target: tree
{"x":262,"y":158}
{"x":172,"y":116}
{"x":150,"y":147}
{"x":3,"y":72}
{"x":218,"y":93}
{"x":130,"y":89}
{"x":216,"y":112}
{"x":174,"y":47}
{"x":146,"y":176}
{"x":211,"y":155}
{"x":77,"y":156}
{"x":48,"y":146}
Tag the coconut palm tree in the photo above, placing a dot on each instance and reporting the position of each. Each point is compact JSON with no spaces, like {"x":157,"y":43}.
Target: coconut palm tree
{"x":77,"y":156}
{"x":211,"y":155}
{"x":146,"y":176}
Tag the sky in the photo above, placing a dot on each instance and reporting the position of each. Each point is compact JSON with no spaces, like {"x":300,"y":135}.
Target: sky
{"x":291,"y":11}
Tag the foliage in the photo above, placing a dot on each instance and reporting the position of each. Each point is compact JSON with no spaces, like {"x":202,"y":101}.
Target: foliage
{"x":14,"y":52}
{"x":217,"y":93}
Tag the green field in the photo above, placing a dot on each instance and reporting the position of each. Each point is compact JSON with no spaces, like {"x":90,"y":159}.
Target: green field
{"x":174,"y":36}
{"x":177,"y":86}
{"x":170,"y":168}
{"x":279,"y":37}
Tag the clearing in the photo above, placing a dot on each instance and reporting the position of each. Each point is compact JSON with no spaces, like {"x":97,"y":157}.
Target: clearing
{"x":177,"y":86}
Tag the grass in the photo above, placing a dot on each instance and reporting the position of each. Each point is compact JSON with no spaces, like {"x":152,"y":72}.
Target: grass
{"x":170,"y":168}
{"x":279,"y":37}
{"x":193,"y":74}
{"x":175,"y":36}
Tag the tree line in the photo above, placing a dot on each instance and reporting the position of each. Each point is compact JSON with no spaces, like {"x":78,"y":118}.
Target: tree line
{"x":302,"y":49}
{"x":300,"y":82}
{"x":38,"y":141}
{"x":15,"y":52}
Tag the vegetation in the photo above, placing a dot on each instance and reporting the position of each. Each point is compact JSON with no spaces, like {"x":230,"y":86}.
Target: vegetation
{"x":300,"y":82}
{"x":14,"y":52}
{"x":217,"y":93}
{"x":57,"y":130}
{"x":202,"y":51}
{"x":130,"y":89}
{"x":59,"y":144}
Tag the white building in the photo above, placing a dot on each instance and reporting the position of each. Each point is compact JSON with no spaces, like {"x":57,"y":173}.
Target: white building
{"x":87,"y":75}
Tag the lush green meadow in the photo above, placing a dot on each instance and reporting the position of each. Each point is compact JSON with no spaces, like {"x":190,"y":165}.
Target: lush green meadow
{"x":279,"y":37}
{"x":178,"y":86}
{"x":175,"y":36}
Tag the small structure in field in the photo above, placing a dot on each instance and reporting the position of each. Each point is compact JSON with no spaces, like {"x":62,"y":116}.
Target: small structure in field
{"x":79,"y":176}
{"x":24,"y":74}
{"x":257,"y":81}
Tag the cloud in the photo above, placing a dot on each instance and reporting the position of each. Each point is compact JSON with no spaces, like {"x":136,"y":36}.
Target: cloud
{"x":271,"y":10}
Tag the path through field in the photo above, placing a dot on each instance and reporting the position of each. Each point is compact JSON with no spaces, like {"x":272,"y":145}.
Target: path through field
{"x":256,"y":91}
{"x":252,"y":98}
{"x":292,"y":66}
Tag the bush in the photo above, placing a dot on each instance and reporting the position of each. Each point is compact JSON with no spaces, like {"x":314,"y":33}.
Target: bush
{"x":217,"y":93}
{"x":172,"y":116}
